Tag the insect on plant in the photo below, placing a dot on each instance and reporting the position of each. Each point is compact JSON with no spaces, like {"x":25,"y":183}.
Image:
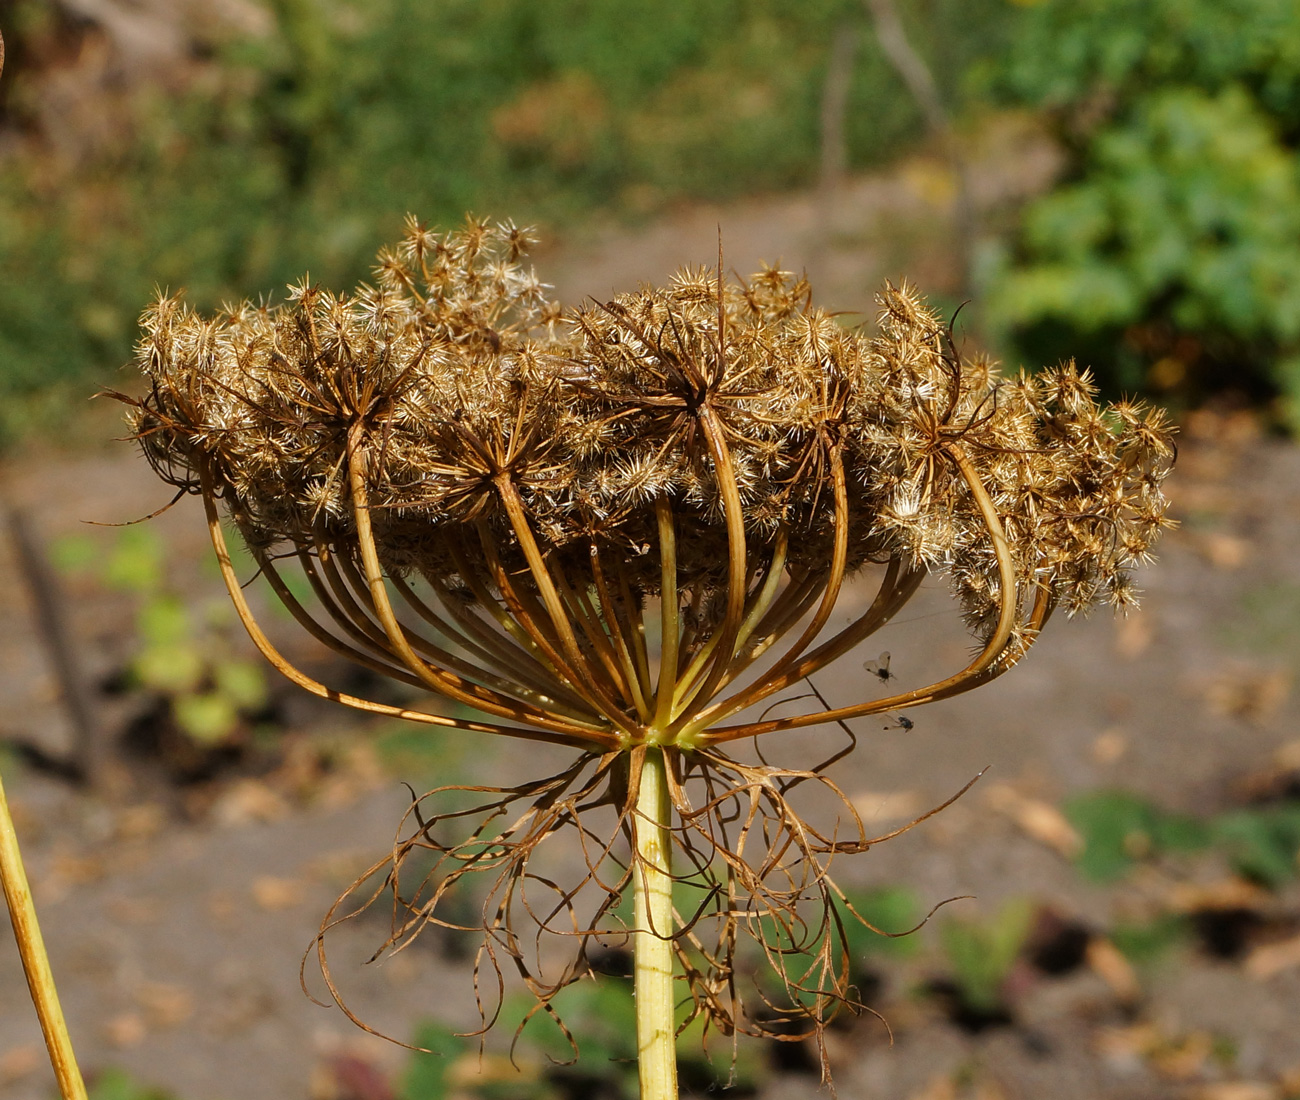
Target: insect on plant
{"x":502,"y":503}
{"x":879,"y":668}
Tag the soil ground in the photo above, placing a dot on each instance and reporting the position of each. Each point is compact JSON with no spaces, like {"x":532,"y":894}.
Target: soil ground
{"x":176,"y":914}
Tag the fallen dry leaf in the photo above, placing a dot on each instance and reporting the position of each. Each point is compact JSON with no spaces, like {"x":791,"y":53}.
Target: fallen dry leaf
{"x":1037,"y":819}
{"x":1224,"y":551}
{"x":249,"y":800}
{"x":1270,"y":959}
{"x":939,"y":1087}
{"x":68,"y":870}
{"x":1248,"y":694}
{"x":877,"y":806}
{"x":126,"y":1029}
{"x":1239,"y":1090}
{"x":1125,"y":1048}
{"x":164,"y":1005}
{"x":273,"y":893}
{"x":1109,"y":746}
{"x":1183,"y":1059}
{"x":1133,"y":635}
{"x":1109,"y":964}
{"x":338,"y":867}
{"x":238,"y":1009}
{"x":17,"y":1062}
{"x":1226,"y":893}
{"x":470,"y":1072}
{"x":1287,"y":758}
{"x":140,"y":822}
{"x":1179,"y":1058}
{"x":360,"y":770}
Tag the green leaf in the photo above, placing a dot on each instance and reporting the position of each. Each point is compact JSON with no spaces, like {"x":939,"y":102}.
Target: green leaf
{"x":981,"y":953}
{"x":117,"y":1084}
{"x":137,"y":562}
{"x":1263,"y":844}
{"x":169,"y":670}
{"x":75,"y":553}
{"x":242,"y":682}
{"x":1179,"y":833}
{"x":208,"y":718}
{"x":164,"y":621}
{"x":1117,"y":828}
{"x":426,"y":1074}
{"x":1143,"y":943}
{"x":891,"y":910}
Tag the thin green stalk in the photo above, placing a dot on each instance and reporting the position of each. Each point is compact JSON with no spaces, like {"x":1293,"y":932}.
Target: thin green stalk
{"x":655,"y":1031}
{"x":36,"y":964}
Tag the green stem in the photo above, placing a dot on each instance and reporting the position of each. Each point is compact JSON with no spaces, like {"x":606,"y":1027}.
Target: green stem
{"x":36,"y":964}
{"x":655,"y":1029}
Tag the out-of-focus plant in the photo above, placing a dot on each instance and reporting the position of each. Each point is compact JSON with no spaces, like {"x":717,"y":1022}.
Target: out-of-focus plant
{"x":1169,"y":255}
{"x":887,"y":917}
{"x":601,"y":1013}
{"x":1121,"y":829}
{"x":182,"y":654}
{"x":294,"y":143}
{"x":981,"y":953}
{"x":118,"y":1084}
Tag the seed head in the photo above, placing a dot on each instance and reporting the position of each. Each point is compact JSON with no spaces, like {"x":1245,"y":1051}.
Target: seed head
{"x":533,"y":485}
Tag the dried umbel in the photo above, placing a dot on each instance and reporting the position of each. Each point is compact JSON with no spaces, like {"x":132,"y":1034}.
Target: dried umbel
{"x":492,"y":499}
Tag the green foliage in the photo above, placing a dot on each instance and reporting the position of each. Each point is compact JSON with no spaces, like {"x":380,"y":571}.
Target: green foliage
{"x":895,"y":911}
{"x":117,"y":1084}
{"x":1119,"y":829}
{"x":186,"y":662}
{"x":1065,"y":52}
{"x":426,"y":1076}
{"x":1149,"y":941}
{"x":1263,"y":844}
{"x":299,"y":148}
{"x":1170,"y":253}
{"x":1267,"y":621}
{"x":601,"y":1015}
{"x":981,"y":953}
{"x":136,"y":563}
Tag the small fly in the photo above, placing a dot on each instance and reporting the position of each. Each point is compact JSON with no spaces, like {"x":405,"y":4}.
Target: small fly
{"x":900,"y":722}
{"x":879,"y":668}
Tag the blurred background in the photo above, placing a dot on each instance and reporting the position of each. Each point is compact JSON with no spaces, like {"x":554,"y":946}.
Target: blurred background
{"x":1112,"y":180}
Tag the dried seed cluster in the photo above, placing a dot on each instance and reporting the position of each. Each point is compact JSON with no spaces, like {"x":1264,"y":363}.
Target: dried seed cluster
{"x":462,"y":375}
{"x":521,"y":483}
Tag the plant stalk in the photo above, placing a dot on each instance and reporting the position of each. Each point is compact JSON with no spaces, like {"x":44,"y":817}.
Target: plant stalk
{"x":36,"y":964}
{"x":655,"y":1029}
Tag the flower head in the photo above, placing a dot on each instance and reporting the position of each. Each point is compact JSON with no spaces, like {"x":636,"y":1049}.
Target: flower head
{"x":491,"y":497}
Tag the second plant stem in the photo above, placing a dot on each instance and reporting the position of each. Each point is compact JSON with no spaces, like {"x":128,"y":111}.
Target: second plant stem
{"x":653,"y":888}
{"x":36,"y":964}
